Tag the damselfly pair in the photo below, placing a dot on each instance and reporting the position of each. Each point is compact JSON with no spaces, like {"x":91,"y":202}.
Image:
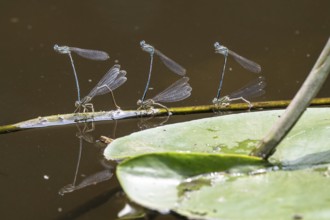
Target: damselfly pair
{"x":176,"y":92}
{"x":181,"y":89}
{"x":253,"y":89}
{"x":110,"y":81}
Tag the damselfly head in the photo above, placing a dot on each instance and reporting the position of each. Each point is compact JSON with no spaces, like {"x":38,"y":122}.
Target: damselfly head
{"x":147,"y":47}
{"x":142,"y":43}
{"x":220,"y":49}
{"x":216,"y":45}
{"x":139,"y":102}
{"x":61,"y":49}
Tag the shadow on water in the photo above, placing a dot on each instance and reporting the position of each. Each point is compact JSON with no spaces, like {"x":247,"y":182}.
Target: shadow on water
{"x":284,"y":37}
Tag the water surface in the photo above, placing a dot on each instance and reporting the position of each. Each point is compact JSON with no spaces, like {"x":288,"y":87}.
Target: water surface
{"x":284,"y":37}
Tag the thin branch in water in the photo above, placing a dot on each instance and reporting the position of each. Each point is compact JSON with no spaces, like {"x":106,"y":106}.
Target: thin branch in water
{"x":73,"y":118}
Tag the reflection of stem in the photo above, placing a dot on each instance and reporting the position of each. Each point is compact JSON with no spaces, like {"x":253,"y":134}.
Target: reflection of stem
{"x":65,"y":119}
{"x":78,"y":162}
{"x":302,"y":99}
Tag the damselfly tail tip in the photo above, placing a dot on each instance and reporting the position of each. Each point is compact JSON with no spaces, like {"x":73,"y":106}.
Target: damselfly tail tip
{"x":116,"y":66}
{"x":258,"y":68}
{"x":123,"y":72}
{"x":183,"y":72}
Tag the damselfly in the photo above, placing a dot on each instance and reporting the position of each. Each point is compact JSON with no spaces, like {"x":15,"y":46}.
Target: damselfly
{"x":86,"y":53}
{"x":110,"y":81}
{"x":171,"y":64}
{"x":247,"y":64}
{"x":176,"y":92}
{"x":254,"y":88}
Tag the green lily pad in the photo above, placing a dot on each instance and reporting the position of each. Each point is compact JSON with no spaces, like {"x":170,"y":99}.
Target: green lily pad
{"x":209,"y":186}
{"x":301,"y":194}
{"x":307,"y":143}
{"x":151,"y":180}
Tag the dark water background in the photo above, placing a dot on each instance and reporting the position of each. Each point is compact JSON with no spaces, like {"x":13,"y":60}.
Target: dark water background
{"x":284,"y":36}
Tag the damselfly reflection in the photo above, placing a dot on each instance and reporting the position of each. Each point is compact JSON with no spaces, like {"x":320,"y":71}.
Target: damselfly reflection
{"x":171,"y":64}
{"x":253,"y":89}
{"x":247,"y":64}
{"x":93,"y":179}
{"x":84,"y":131}
{"x":110,"y":81}
{"x":152,"y":122}
{"x":86,"y":53}
{"x":178,"y":91}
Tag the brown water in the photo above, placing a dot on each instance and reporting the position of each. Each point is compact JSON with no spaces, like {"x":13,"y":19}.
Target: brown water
{"x":285,"y":37}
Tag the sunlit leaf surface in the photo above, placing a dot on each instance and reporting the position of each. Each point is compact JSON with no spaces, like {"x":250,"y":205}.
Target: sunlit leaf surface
{"x":308,"y":142}
{"x":201,"y":168}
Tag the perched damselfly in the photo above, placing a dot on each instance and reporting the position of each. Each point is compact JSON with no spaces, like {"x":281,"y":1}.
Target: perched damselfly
{"x":171,"y":64}
{"x":253,"y":89}
{"x":110,"y":81}
{"x":86,"y":53}
{"x":176,"y":92}
{"x":247,"y":64}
